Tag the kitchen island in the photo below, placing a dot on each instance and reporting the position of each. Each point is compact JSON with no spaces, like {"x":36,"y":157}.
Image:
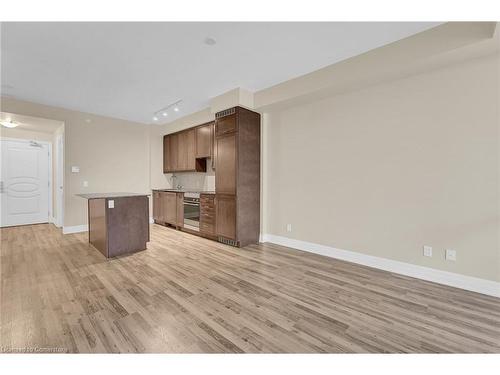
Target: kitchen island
{"x":118,"y":222}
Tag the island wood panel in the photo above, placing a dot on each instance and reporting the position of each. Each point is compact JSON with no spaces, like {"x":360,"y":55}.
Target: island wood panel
{"x":98,"y":234}
{"x":128,"y":225}
{"x":187,"y":294}
{"x":157,"y":207}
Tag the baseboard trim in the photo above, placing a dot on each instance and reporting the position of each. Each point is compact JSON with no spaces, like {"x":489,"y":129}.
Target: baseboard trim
{"x":456,"y":280}
{"x":75,"y":229}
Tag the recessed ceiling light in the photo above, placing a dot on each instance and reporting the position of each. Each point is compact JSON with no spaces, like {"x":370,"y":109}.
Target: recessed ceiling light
{"x":210,"y":41}
{"x":155,"y":118}
{"x":8,"y":123}
{"x":176,"y":109}
{"x":165,"y":114}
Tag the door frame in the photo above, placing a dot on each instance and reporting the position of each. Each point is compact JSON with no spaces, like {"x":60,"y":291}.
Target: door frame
{"x":49,"y":144}
{"x":59,"y":146}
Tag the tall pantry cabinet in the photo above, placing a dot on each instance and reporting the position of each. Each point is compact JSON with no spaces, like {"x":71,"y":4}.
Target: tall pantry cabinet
{"x":237,"y":176}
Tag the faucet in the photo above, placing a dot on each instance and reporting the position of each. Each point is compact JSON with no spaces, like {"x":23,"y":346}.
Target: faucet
{"x":174,"y":180}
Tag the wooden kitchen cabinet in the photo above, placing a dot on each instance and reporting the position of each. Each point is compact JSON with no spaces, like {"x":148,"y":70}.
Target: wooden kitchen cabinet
{"x":226,"y":216}
{"x":204,"y":140}
{"x":207,"y":214}
{"x":232,"y":214}
{"x":225,"y":177}
{"x":180,"y":210}
{"x":169,"y":207}
{"x":170,"y":153}
{"x":237,"y":176}
{"x":179,"y":153}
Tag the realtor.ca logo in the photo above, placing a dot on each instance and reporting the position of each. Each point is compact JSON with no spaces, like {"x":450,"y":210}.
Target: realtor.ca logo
{"x":35,"y":349}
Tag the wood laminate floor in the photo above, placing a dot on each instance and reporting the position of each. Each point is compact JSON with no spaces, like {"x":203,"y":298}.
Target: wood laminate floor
{"x":188,"y":294}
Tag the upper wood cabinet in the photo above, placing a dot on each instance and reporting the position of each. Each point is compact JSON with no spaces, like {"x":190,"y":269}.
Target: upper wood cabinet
{"x":179,"y":153}
{"x":204,"y":140}
{"x":226,"y":124}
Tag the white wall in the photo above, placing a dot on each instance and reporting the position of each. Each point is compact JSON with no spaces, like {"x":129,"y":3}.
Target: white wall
{"x":388,"y":169}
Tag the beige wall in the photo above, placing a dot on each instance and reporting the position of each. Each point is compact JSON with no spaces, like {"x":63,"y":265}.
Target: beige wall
{"x":25,"y":134}
{"x":113,"y":154}
{"x":386,"y":170}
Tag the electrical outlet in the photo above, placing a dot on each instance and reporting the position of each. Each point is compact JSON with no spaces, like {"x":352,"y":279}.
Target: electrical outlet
{"x":111,"y":203}
{"x":451,"y":254}
{"x":289,"y":227}
{"x":427,"y":251}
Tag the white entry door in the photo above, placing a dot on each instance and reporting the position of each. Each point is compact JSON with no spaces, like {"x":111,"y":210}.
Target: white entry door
{"x":24,"y":184}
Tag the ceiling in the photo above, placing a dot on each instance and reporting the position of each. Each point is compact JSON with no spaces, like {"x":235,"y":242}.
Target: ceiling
{"x":37,"y":124}
{"x":131,"y":70}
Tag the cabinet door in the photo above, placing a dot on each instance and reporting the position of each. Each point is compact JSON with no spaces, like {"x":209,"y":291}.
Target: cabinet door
{"x":167,"y":159}
{"x":173,"y":142}
{"x":157,"y":211}
{"x":204,"y":141}
{"x":225,"y":216}
{"x":225,"y":125}
{"x":225,"y":161}
{"x":190,"y":149}
{"x":181,"y":151}
{"x":169,"y":207}
{"x":180,"y":209}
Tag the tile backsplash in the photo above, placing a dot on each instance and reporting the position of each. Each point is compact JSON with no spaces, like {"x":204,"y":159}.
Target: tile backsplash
{"x":196,"y":180}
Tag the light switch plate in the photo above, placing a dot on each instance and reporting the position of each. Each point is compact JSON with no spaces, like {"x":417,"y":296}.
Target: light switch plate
{"x":289,"y":227}
{"x":85,"y":183}
{"x":427,"y":251}
{"x":111,"y":203}
{"x":451,"y":254}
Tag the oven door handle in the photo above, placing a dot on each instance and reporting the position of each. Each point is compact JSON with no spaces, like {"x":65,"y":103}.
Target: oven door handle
{"x":191,"y":204}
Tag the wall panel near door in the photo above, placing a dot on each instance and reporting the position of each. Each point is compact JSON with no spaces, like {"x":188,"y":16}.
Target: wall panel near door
{"x":237,"y":176}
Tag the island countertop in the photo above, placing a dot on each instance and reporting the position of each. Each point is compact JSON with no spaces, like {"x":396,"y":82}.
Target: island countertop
{"x":110,"y":195}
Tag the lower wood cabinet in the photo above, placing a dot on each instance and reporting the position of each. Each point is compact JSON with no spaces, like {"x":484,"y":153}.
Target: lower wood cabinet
{"x":168,"y":208}
{"x":207,"y":214}
{"x":226,"y":216}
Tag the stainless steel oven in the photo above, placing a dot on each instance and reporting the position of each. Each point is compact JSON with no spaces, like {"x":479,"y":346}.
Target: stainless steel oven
{"x":192,"y":211}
